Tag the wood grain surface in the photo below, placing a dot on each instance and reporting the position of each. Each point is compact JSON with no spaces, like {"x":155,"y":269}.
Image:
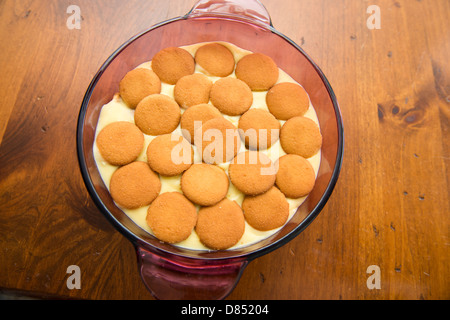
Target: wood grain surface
{"x":390,"y":207}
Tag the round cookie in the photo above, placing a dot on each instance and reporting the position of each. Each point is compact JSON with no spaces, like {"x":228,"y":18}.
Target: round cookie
{"x":171,"y":217}
{"x":295,"y":176}
{"x":138,"y":84}
{"x":134,"y":185}
{"x":204,"y":184}
{"x":216,"y":59}
{"x":259,"y":129}
{"x":231,"y":96}
{"x":266,"y":211}
{"x":252,"y":172}
{"x":200,"y":114}
{"x":258,"y":70}
{"x":301,"y":136}
{"x":157,"y":114}
{"x":287,"y":100}
{"x":219,"y":141}
{"x":171,"y":64}
{"x":120,"y":143}
{"x":221,"y":226}
{"x":170,"y":155}
{"x":192,"y":90}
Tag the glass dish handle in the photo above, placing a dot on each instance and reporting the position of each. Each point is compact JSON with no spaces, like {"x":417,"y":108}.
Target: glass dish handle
{"x":251,"y":11}
{"x":178,"y":278}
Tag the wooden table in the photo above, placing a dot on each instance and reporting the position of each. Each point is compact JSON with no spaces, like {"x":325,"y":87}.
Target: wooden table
{"x":390,"y":208}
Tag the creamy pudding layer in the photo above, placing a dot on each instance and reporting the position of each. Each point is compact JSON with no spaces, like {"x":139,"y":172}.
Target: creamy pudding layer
{"x":117,"y":110}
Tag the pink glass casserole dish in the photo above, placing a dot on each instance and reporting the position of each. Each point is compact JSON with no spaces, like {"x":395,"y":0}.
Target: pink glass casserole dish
{"x":170,"y":272}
